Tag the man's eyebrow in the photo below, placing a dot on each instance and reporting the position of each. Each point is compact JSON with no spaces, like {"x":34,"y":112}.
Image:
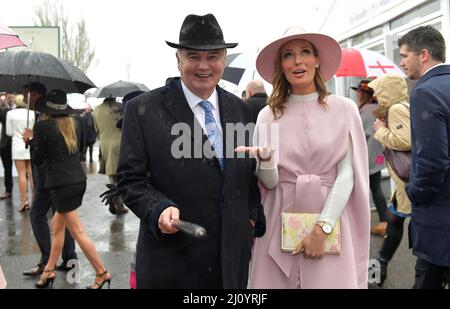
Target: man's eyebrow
{"x":214,"y":53}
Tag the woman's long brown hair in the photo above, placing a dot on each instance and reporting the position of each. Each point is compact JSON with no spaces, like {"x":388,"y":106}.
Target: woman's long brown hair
{"x":282,"y":89}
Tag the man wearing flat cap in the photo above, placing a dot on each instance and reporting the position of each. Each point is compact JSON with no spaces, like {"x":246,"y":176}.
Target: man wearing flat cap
{"x":211,"y":189}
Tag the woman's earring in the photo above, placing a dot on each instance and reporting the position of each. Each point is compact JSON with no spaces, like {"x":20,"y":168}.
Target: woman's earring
{"x":317,"y":66}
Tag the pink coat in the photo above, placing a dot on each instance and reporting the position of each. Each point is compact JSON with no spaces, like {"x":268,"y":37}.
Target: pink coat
{"x":2,"y":279}
{"x":312,"y":141}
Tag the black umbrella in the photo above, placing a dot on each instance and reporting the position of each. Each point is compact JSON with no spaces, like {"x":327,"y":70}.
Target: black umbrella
{"x":238,"y":65}
{"x":18,"y":68}
{"x":232,"y":74}
{"x":119,"y":89}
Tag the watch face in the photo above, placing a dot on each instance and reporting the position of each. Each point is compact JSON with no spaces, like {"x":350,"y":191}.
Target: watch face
{"x":327,"y":228}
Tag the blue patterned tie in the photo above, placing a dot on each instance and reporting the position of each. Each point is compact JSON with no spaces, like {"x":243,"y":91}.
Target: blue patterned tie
{"x":213,"y":131}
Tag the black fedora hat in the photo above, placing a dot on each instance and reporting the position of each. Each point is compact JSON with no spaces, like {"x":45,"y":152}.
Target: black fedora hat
{"x":55,"y":104}
{"x":363,"y":86}
{"x":201,"y":33}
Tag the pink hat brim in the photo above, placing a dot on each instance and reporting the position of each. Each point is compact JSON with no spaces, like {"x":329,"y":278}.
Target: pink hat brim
{"x":330,"y":54}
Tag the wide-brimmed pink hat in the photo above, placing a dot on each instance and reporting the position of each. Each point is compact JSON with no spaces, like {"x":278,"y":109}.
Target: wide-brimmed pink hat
{"x":330,"y":53}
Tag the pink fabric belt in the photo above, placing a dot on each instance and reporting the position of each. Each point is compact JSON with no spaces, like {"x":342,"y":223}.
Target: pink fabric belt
{"x":308,"y":187}
{"x":326,"y":180}
{"x":308,"y":193}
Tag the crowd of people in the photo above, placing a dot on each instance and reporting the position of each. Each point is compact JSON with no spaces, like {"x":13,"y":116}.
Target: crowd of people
{"x":325,"y":156}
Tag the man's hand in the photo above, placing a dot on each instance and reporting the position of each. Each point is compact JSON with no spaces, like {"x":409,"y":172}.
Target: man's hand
{"x":27,"y":134}
{"x":166,"y":218}
{"x":109,"y":195}
{"x":378,"y":124}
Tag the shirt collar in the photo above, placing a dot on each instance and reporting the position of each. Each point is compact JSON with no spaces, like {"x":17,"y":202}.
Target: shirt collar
{"x":435,"y":66}
{"x":194,"y":100}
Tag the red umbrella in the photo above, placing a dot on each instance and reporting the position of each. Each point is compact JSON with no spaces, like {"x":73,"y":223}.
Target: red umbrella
{"x":8,"y":38}
{"x":366,"y":63}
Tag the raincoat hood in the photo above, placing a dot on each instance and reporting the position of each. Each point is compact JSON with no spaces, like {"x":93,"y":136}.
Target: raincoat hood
{"x":389,"y":89}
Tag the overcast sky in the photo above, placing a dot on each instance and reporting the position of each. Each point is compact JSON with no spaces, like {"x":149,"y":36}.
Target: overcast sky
{"x":134,"y":31}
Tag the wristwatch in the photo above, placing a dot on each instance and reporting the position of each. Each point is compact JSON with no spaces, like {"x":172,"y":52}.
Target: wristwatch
{"x":326,"y":227}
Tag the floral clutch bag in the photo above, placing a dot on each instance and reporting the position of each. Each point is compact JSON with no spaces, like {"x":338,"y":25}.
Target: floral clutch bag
{"x":296,"y":225}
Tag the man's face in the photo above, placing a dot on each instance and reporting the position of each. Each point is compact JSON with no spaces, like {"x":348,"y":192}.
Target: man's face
{"x":201,"y":71}
{"x":10,"y":99}
{"x":34,"y":96}
{"x":410,"y":62}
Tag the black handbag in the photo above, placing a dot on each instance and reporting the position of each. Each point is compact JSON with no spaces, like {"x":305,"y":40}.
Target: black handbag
{"x":400,"y":162}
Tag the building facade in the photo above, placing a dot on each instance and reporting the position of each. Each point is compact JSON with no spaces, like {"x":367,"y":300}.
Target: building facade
{"x":380,"y":31}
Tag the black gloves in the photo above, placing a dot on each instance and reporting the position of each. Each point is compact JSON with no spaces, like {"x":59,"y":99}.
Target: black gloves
{"x":109,"y":196}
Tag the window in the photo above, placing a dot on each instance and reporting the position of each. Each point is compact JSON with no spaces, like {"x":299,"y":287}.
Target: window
{"x":368,"y":35}
{"x":416,"y":13}
{"x":378,"y":48}
{"x":438,"y":26}
{"x":344,"y":43}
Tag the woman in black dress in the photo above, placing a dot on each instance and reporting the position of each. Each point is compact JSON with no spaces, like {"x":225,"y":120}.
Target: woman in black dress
{"x":55,"y":141}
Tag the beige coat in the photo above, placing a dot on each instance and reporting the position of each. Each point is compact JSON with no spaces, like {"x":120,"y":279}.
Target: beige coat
{"x":105,"y":118}
{"x":392,"y":94}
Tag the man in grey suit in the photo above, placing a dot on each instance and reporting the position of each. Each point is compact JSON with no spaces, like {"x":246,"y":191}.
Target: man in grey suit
{"x":214,"y":190}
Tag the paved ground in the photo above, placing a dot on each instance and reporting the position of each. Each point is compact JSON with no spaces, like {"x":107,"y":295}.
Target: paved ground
{"x":115,"y":239}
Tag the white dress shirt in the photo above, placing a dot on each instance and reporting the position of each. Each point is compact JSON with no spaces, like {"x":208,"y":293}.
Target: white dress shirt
{"x":199,"y":113}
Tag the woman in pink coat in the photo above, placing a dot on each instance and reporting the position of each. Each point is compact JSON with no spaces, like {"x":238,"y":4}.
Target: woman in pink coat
{"x":318,"y":164}
{"x":2,"y":279}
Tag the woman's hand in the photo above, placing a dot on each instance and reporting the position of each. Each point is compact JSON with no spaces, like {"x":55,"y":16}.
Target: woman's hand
{"x":313,"y":245}
{"x":27,"y":134}
{"x":378,"y":124}
{"x":262,"y":153}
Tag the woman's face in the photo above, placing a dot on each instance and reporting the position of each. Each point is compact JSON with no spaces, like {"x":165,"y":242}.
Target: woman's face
{"x":359,"y":96}
{"x":299,"y":63}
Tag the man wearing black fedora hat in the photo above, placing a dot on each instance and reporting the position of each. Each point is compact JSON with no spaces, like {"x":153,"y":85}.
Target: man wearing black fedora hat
{"x":211,"y":189}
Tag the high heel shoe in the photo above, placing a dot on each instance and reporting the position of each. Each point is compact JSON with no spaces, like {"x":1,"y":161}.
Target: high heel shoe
{"x":45,"y":281}
{"x":24,"y":207}
{"x":104,"y":277}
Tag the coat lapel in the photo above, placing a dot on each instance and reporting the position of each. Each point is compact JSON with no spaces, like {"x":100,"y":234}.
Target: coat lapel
{"x":178,"y":107}
{"x":227,"y":116}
